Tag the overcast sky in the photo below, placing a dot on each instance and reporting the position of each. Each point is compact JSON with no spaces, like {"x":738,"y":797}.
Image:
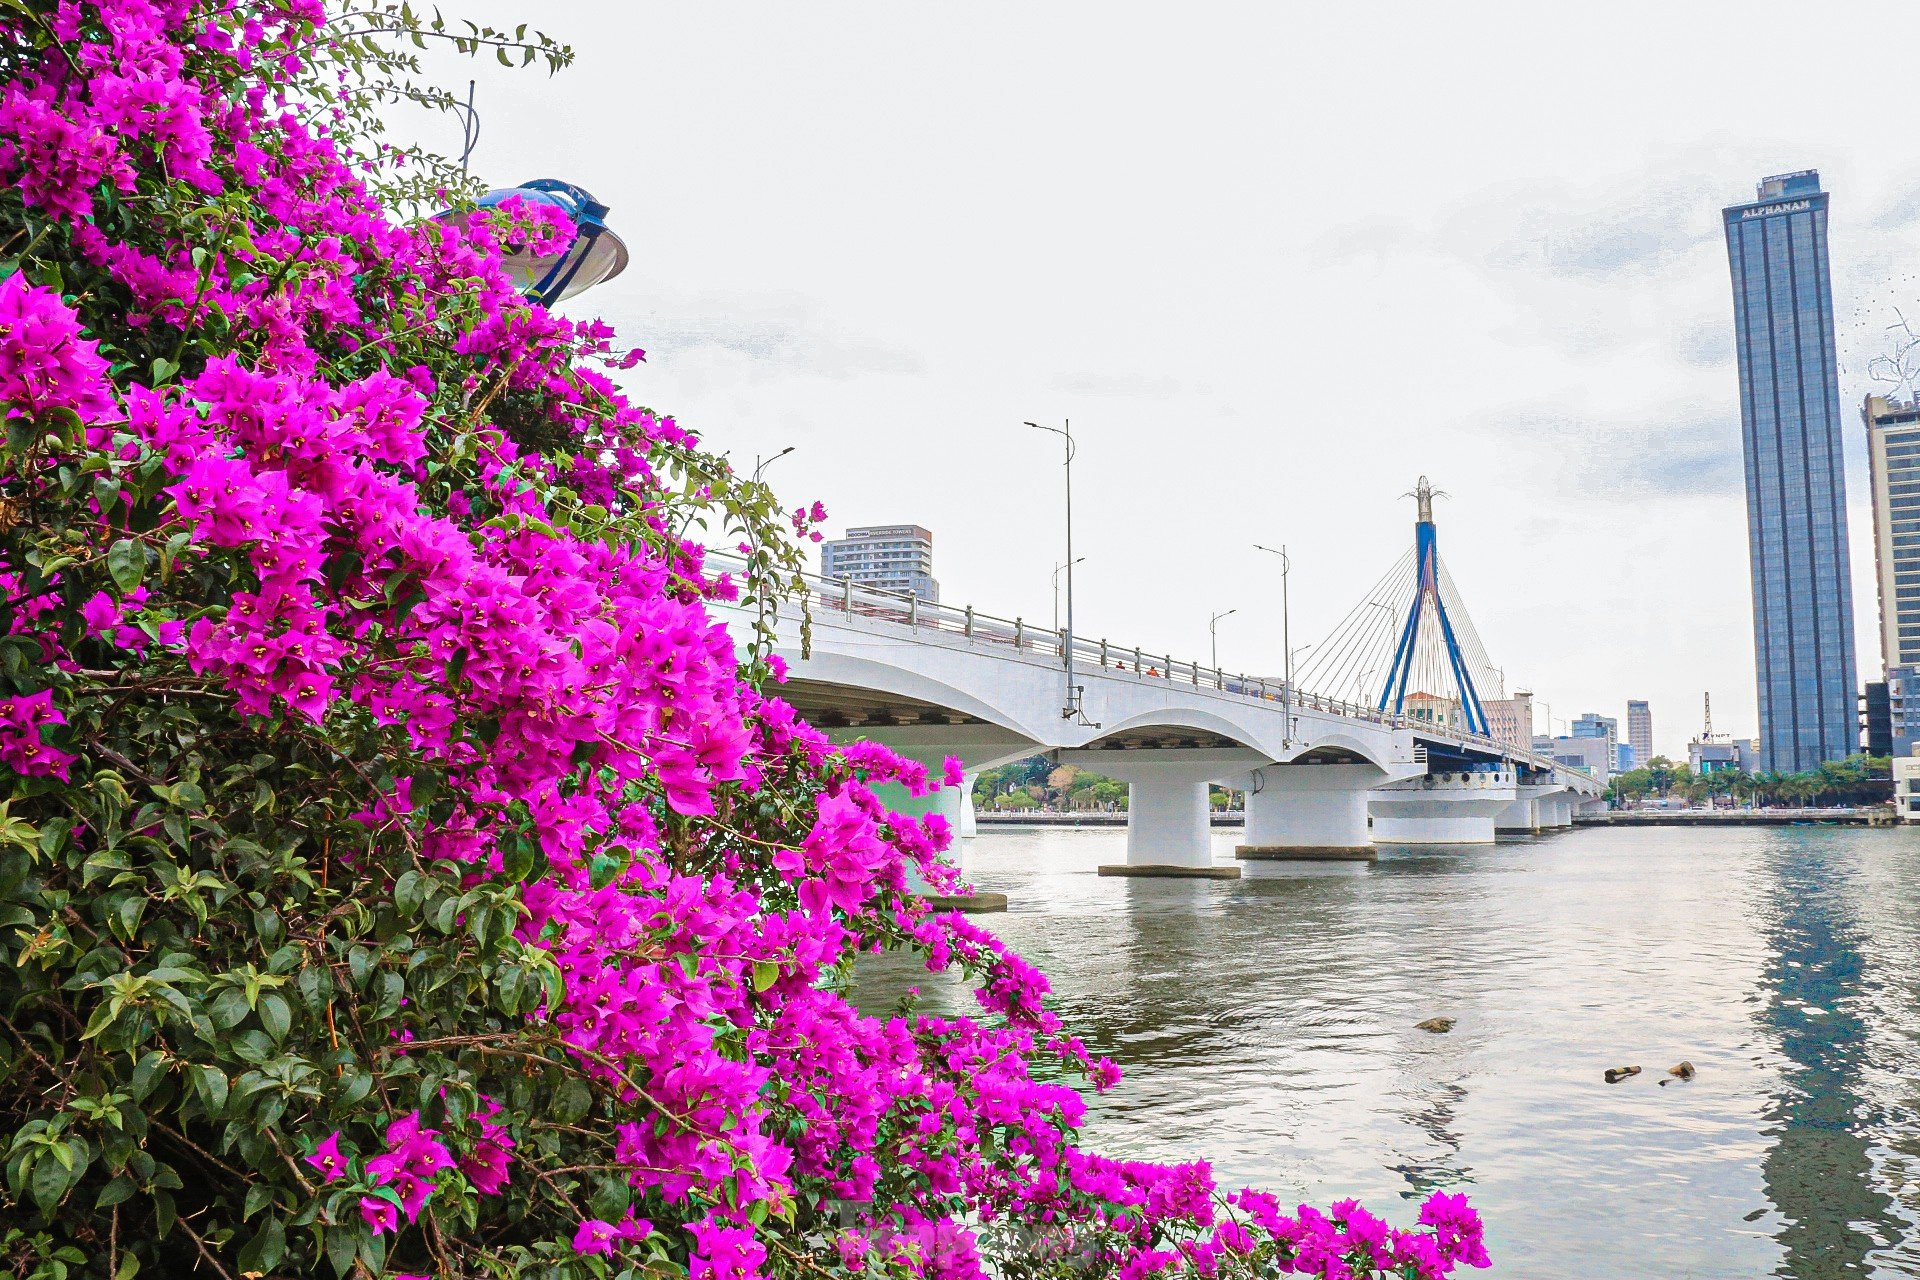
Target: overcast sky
{"x":1274,"y":261}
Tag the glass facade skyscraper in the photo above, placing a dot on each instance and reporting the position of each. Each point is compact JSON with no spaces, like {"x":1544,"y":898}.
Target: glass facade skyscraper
{"x":1796,"y":485}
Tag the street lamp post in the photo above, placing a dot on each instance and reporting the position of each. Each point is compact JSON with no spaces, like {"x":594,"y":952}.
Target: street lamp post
{"x":1056,"y":592}
{"x":1071,"y":708}
{"x":1213,"y":631}
{"x":761,"y":464}
{"x":1286,"y":686}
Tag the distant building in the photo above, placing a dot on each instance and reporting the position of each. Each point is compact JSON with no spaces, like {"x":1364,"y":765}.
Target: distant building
{"x":1906,"y":788}
{"x":1640,"y":730}
{"x":1715,"y":754}
{"x":1510,"y":720}
{"x":1591,"y":725}
{"x":1625,"y":759}
{"x":1796,"y":482}
{"x":1893,"y":463}
{"x":1436,"y":709}
{"x":1876,"y":719}
{"x":1903,"y":709}
{"x":891,"y":557}
{"x":1712,"y":757}
{"x":1594,"y":754}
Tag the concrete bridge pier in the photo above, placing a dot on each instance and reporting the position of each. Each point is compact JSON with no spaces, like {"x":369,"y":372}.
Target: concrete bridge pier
{"x":1169,"y":829}
{"x":1309,"y":811}
{"x":1556,"y":810}
{"x":1442,"y":808}
{"x":977,"y":747}
{"x":1530,"y":812}
{"x":968,"y":826}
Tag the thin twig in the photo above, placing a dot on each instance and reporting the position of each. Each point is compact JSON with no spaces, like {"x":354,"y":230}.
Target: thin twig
{"x":201,"y":1245}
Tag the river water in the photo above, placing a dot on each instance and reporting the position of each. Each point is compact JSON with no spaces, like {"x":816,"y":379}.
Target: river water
{"x":1268,"y":1024}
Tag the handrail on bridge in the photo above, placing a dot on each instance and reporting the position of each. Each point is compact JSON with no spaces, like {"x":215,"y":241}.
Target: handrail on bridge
{"x":850,"y":600}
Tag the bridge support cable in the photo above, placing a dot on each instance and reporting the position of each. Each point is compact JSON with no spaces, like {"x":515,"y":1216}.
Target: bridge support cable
{"x":1346,"y":664}
{"x":1488,"y":679}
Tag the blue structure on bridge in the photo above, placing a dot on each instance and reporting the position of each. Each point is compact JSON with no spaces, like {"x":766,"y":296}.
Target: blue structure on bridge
{"x":1430,"y":603}
{"x":1409,"y":648}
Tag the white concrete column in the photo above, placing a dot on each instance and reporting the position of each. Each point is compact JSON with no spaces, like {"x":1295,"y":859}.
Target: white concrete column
{"x":969,"y":826}
{"x":1309,"y":811}
{"x":1528,"y":814}
{"x":1557,"y":811}
{"x":1167,"y":815}
{"x":1168,"y":825}
{"x":978,"y":747}
{"x":1444,"y":808}
{"x":949,"y":802}
{"x":1522,"y":817}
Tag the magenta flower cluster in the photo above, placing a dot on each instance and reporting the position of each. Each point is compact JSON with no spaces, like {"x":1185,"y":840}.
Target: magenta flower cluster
{"x":576,"y":682}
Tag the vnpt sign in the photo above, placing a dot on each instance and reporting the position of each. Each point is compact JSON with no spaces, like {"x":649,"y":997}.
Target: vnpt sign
{"x":1789,"y":206}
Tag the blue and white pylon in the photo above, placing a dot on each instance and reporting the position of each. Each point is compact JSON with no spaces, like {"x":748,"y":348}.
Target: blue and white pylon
{"x":1426,"y":569}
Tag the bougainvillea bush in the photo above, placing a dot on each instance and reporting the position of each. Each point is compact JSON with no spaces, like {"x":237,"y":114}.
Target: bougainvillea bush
{"x":402,"y":871}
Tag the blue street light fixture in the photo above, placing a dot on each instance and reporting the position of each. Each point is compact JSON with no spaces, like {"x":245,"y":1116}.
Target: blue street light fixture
{"x":595,"y":255}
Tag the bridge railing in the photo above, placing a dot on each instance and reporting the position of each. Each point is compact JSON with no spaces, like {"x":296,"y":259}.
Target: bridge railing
{"x":843,"y":599}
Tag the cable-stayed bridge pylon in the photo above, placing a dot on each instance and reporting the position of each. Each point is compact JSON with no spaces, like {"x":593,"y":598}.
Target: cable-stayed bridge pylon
{"x":1409,"y":647}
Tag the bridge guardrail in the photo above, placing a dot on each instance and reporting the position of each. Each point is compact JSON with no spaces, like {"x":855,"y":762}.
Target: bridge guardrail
{"x":845,"y":599}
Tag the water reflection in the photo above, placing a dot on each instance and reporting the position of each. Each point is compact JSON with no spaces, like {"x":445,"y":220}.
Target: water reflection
{"x":1269,"y":1024}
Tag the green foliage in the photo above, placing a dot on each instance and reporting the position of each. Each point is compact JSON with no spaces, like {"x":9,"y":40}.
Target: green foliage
{"x":1037,"y":783}
{"x":1856,"y":780}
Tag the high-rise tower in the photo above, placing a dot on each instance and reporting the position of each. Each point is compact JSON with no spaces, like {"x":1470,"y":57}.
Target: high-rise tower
{"x":1796,"y":485}
{"x":1640,"y":730}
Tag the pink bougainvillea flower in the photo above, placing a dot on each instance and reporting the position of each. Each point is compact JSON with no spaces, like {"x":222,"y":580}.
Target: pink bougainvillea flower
{"x":380,"y":1214}
{"x":595,"y":1236}
{"x":21,"y":747}
{"x":327,"y":1157}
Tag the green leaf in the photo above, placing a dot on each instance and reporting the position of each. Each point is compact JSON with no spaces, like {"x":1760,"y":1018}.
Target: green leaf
{"x":152,"y":1066}
{"x":572,"y":1101}
{"x":409,"y":891}
{"x":211,"y":1084}
{"x":354,"y":1086}
{"x":129,"y":1266}
{"x":341,"y":1244}
{"x":114,"y":1192}
{"x":765,"y":974}
{"x":264,"y":1251}
{"x":50,"y":1182}
{"x":229,"y":1009}
{"x":275,"y":1015}
{"x":127,"y":563}
{"x":102,"y":1018}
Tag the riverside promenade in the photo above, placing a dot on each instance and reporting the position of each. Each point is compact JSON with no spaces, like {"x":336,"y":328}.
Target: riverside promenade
{"x":1862,"y":816}
{"x":1084,"y":818}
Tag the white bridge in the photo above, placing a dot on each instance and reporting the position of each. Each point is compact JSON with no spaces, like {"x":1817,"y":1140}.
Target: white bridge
{"x":1323,"y":777}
